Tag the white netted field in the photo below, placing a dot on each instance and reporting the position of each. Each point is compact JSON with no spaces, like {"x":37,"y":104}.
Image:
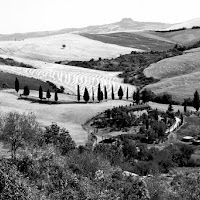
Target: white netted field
{"x":69,"y":76}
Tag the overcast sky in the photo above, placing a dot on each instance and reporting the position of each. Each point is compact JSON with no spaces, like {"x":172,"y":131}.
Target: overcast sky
{"x":39,"y":15}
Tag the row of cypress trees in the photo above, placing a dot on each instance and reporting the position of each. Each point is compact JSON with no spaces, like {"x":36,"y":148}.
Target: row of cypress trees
{"x":26,"y":91}
{"x":101,"y":95}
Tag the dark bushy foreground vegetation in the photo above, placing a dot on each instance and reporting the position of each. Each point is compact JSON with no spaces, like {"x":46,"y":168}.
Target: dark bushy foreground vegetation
{"x":47,"y":165}
{"x":123,"y":118}
{"x":11,"y":62}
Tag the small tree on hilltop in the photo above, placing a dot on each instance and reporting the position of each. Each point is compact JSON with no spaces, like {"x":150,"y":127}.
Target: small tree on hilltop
{"x":196,"y":103}
{"x":48,"y":94}
{"x":26,"y":91}
{"x":112,"y":93}
{"x":120,"y":92}
{"x":56,"y":96}
{"x":40,"y":92}
{"x":16,"y":85}
{"x":78,"y":93}
{"x":127,"y":93}
{"x":105,"y":93}
{"x":86,"y":96}
{"x":99,"y":92}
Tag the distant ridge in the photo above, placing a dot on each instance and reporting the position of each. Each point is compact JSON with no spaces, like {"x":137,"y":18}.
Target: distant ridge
{"x":187,"y":24}
{"x":125,"y":25}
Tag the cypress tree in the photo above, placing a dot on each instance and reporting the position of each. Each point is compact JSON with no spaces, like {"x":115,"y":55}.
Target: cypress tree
{"x":185,"y":105}
{"x":134,"y":96}
{"x":170,"y":108}
{"x":86,"y":96}
{"x":196,"y":103}
{"x":78,"y":93}
{"x":112,"y":94}
{"x":101,"y":96}
{"x":26,"y":91}
{"x":105,"y":93}
{"x":137,"y":97}
{"x":40,"y":92}
{"x":120,"y":92}
{"x":92,"y":94}
{"x":99,"y":92}
{"x":48,"y":94}
{"x":16,"y":85}
{"x":56,"y":96}
{"x":127,"y":93}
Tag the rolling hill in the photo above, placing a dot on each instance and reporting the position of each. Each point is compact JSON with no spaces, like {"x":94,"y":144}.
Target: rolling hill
{"x":50,"y":48}
{"x":187,"y":24}
{"x":179,"y":76}
{"x":125,"y":25}
{"x":69,"y":76}
{"x":133,"y":40}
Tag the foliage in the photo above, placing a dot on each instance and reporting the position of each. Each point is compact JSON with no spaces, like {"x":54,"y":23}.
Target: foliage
{"x":48,"y":94}
{"x":196,"y":100}
{"x":86,"y":96}
{"x":26,"y":91}
{"x":19,"y":131}
{"x":105,"y":93}
{"x":16,"y":85}
{"x":40,"y":92}
{"x":78,"y":93}
{"x":112,"y":94}
{"x":59,"y":137}
{"x":99,"y":93}
{"x":56,"y":96}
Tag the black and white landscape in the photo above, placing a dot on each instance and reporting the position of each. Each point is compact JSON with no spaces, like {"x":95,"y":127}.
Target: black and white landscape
{"x":99,"y":101}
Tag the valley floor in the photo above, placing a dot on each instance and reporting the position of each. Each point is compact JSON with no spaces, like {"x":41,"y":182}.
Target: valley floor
{"x":70,"y":116}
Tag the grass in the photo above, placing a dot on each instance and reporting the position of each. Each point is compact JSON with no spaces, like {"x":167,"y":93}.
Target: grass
{"x":33,"y":84}
{"x":69,"y":77}
{"x":50,"y":48}
{"x":180,"y":76}
{"x":131,"y":40}
{"x":70,"y":116}
{"x":190,"y":128}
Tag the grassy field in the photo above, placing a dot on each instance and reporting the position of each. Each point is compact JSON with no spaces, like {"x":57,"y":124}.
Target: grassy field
{"x":184,"y":37}
{"x":190,"y":128}
{"x":70,"y":116}
{"x":132,"y":40}
{"x":33,"y":84}
{"x":50,"y":49}
{"x":180,"y":75}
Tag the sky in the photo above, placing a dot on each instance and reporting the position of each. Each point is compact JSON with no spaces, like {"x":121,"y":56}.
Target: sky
{"x":41,"y":15}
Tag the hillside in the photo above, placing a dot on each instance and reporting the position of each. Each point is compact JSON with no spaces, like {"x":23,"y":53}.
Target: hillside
{"x":51,"y":48}
{"x":187,"y":24}
{"x":69,"y":76}
{"x":180,"y":75}
{"x":125,"y":25}
{"x":133,"y":40}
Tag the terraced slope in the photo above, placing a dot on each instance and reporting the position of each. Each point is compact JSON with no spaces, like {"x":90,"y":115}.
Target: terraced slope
{"x":180,"y":75}
{"x":69,"y":76}
{"x":50,"y":48}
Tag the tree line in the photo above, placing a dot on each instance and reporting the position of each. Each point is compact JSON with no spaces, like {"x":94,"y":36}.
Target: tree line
{"x":26,"y":91}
